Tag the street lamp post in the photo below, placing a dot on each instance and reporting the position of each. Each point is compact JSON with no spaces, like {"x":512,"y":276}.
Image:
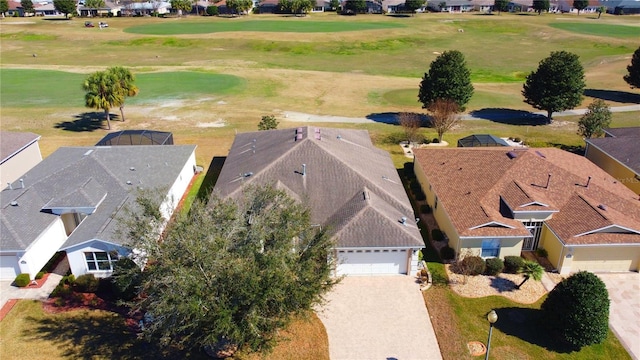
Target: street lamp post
{"x":492,"y":317}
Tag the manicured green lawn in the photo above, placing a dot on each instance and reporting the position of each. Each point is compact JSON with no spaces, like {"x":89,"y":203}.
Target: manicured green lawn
{"x":291,"y":25}
{"x":599,"y":29}
{"x":42,"y":88}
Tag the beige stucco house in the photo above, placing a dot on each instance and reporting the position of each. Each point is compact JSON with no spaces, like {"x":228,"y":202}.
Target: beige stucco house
{"x":618,"y":153}
{"x":19,"y":152}
{"x":496,"y":202}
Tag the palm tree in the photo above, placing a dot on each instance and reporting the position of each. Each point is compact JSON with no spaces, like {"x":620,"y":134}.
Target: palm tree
{"x":126,"y":80}
{"x":102,"y":92}
{"x":531,"y":269}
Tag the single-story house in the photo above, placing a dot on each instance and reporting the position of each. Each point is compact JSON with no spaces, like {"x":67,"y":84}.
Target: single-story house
{"x":134,"y":8}
{"x":452,"y":6}
{"x":72,"y":199}
{"x":46,"y":9}
{"x":109,"y":9}
{"x":136,"y":137}
{"x":352,"y":188}
{"x":19,"y":152}
{"x":496,"y":202}
{"x":618,"y":154}
{"x":566,"y":6}
{"x":622,"y":7}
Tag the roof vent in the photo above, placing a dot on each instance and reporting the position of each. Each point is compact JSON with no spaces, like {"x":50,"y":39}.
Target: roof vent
{"x":10,"y":186}
{"x":304,"y":169}
{"x":512,"y":155}
{"x":14,"y":203}
{"x":88,"y":152}
{"x":540,"y":154}
{"x":132,"y":168}
{"x":602,"y":207}
{"x":299,"y":130}
{"x":299,"y":136}
{"x":339,"y":137}
{"x":403,"y":221}
{"x":247,"y":174}
{"x":21,"y":183}
{"x":128,"y":182}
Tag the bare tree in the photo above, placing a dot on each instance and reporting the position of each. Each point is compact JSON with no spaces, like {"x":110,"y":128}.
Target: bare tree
{"x":444,"y":115}
{"x":411,"y":123}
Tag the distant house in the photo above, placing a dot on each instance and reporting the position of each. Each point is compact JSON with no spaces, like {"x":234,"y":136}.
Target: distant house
{"x":352,"y":188}
{"x":618,"y":153}
{"x":481,"y":140}
{"x":71,"y":202}
{"x":566,"y":6}
{"x":496,"y":202}
{"x":46,"y":9}
{"x":452,"y":6}
{"x":622,"y":7}
{"x":19,"y":152}
{"x":135,"y":8}
{"x":109,"y":9}
{"x":136,"y":137}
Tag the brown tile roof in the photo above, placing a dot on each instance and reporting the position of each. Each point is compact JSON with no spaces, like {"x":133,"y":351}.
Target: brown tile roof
{"x":351,"y":186}
{"x":470,"y":182}
{"x":13,"y":142}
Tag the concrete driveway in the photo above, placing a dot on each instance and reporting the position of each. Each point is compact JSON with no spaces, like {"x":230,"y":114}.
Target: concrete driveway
{"x":379,"y":317}
{"x":624,"y":311}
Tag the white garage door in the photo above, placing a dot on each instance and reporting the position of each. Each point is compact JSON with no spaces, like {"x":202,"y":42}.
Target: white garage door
{"x":9,"y":267}
{"x":372,"y":262}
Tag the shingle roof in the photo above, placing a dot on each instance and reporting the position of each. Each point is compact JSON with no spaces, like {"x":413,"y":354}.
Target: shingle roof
{"x":351,"y":186}
{"x":470,"y":183}
{"x":633,"y":131}
{"x":13,"y":142}
{"x":78,"y":177}
{"x":625,"y":150}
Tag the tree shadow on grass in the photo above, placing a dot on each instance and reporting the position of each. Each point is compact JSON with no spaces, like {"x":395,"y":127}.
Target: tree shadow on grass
{"x":526,"y":324}
{"x":510,"y":116}
{"x":85,"y":334}
{"x":85,"y":122}
{"x":613,"y":95}
{"x":391,"y":118}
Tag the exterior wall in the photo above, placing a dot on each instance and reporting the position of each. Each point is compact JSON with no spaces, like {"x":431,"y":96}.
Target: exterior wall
{"x":444,"y":223}
{"x":78,"y":263}
{"x":179,"y":187}
{"x":508,"y":246}
{"x":43,"y":248}
{"x":555,"y":248}
{"x":20,"y":163}
{"x":613,"y":168}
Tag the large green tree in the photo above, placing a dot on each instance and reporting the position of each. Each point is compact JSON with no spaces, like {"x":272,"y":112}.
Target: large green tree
{"x":65,"y":6}
{"x":356,"y":6}
{"x":448,"y":78}
{"x":182,"y":6}
{"x":103,"y":92}
{"x":94,"y":5}
{"x":27,"y":6}
{"x":595,"y":120}
{"x":577,"y":310}
{"x":580,"y":5}
{"x":413,"y":5}
{"x":557,"y":84}
{"x":232,"y":272}
{"x":501,"y":5}
{"x":541,"y":5}
{"x":4,"y":7}
{"x":633,"y":76}
{"x":126,"y":81}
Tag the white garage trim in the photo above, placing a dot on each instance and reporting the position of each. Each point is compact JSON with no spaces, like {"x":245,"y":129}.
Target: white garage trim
{"x":9,"y":267}
{"x":390,"y":261}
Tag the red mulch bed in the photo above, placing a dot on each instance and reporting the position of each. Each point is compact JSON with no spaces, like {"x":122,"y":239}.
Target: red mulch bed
{"x":6,"y":308}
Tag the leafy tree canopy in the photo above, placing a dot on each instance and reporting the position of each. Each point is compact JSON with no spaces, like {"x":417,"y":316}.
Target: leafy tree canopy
{"x":103,"y":92}
{"x":541,"y":5}
{"x":65,"y":6}
{"x":233,"y":272}
{"x":4,"y":6}
{"x":27,"y":6}
{"x":633,"y":76}
{"x":577,"y":310}
{"x":182,"y":5}
{"x":357,"y":6}
{"x":413,"y":5}
{"x":268,"y":122}
{"x":595,"y":120}
{"x":94,"y":4}
{"x":501,"y":5}
{"x":557,"y":84}
{"x":448,"y":78}
{"x":580,"y":5}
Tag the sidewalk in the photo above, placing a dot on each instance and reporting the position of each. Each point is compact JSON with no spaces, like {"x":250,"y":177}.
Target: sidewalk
{"x":9,"y":292}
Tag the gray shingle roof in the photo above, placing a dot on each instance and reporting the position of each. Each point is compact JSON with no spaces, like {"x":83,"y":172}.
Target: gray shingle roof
{"x":340,"y":167}
{"x":623,"y":149}
{"x":78,"y":177}
{"x":12,"y":142}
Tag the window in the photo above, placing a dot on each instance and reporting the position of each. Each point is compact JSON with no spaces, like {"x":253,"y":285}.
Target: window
{"x":100,"y":261}
{"x":490,"y":248}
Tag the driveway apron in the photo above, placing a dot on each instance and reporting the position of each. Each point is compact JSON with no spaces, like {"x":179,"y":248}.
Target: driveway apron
{"x":624,"y":311}
{"x":378,"y":317}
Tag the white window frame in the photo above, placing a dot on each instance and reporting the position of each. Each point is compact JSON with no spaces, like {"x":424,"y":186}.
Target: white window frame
{"x":95,"y":262}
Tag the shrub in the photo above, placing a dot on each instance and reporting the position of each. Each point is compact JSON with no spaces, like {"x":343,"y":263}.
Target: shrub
{"x":415,"y":186}
{"x":420,"y":196}
{"x":447,"y":253}
{"x":425,"y":209}
{"x":494,"y":266}
{"x":126,"y":279}
{"x":212,"y":10}
{"x":86,"y":283}
{"x":517,"y":139}
{"x":40,"y":275}
{"x":513,"y":264}
{"x":577,"y":310}
{"x":541,"y":252}
{"x":471,"y":265}
{"x":437,"y":235}
{"x":22,"y":280}
{"x":408,"y":170}
{"x":61,"y":291}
